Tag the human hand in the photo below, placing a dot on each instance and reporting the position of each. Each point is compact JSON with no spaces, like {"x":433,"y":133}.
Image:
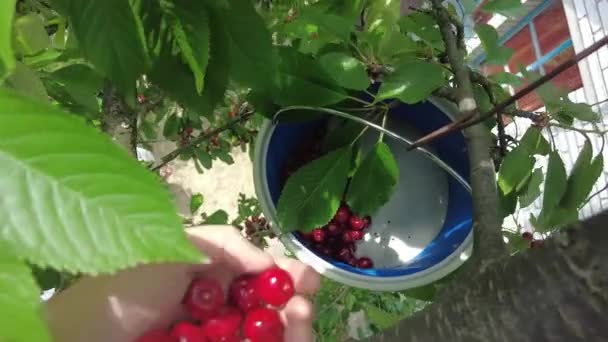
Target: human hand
{"x":123,"y":306}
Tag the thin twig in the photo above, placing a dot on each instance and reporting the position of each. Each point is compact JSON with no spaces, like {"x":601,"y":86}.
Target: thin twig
{"x":471,"y":119}
{"x":581,"y":130}
{"x":201,"y":138}
{"x":594,"y":194}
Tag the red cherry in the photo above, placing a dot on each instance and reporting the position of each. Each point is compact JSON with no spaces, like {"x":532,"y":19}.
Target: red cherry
{"x":367,"y":220}
{"x":204,"y":298}
{"x":243,"y":294}
{"x":188,"y":130}
{"x":318,"y":235}
{"x":307,"y":236}
{"x":344,"y":254}
{"x":365,"y":262}
{"x":356,"y":223}
{"x":342,"y":215}
{"x":347,"y":237}
{"x":141,"y":98}
{"x":352,"y":262}
{"x":334,"y":229}
{"x":357,"y":235}
{"x":274,"y":286}
{"x":226,"y":327}
{"x":263,"y":325}
{"x":155,"y":336}
{"x":527,"y":236}
{"x":187,"y":332}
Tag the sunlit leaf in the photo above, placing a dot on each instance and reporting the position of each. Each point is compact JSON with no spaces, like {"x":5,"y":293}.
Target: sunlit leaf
{"x":412,"y":81}
{"x":7,"y":57}
{"x":119,"y":214}
{"x":30,"y":34}
{"x":346,"y":70}
{"x":195,"y":202}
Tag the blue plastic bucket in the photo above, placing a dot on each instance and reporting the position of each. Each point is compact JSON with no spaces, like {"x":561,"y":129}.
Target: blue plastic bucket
{"x":422,"y":234}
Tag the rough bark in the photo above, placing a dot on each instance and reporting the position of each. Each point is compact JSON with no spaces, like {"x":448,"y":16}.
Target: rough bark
{"x":558,"y":292}
{"x":118,"y":120}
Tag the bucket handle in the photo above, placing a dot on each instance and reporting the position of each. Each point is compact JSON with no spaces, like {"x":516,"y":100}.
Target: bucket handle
{"x":432,"y":156}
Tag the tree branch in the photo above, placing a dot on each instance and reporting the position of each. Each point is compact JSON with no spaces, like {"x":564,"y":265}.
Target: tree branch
{"x":244,"y":116}
{"x":557,"y":292}
{"x":488,"y":238}
{"x":119,"y":120}
{"x":473,"y":119}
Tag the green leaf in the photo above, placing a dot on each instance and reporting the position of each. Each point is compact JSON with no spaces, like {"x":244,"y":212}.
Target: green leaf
{"x":251,"y":51}
{"x":581,"y":111}
{"x":532,"y":190}
{"x":109,"y":36}
{"x":515,"y":170}
{"x":224,"y":156}
{"x":495,"y":53}
{"x":302,"y":81}
{"x":534,"y":142}
{"x":171,"y":128}
{"x":507,"y":203}
{"x":583,"y":176}
{"x":482,"y":99}
{"x":204,"y":157}
{"x":504,"y":77}
{"x":380,"y":318}
{"x":170,"y":74}
{"x":46,"y":278}
{"x":426,"y":292}
{"x":312,"y":195}
{"x":20,"y":301}
{"x":346,"y":70}
{"x":552,"y":218}
{"x":30,"y":34}
{"x":192,"y":34}
{"x":82,"y":83}
{"x":412,"y":81}
{"x":423,"y":26}
{"x":7,"y":57}
{"x":218,"y":217}
{"x":334,"y":25}
{"x":394,"y":43}
{"x":555,"y":182}
{"x":195,"y":202}
{"x":508,"y":8}
{"x":27,"y":82}
{"x":79,"y":202}
{"x":374,"y":181}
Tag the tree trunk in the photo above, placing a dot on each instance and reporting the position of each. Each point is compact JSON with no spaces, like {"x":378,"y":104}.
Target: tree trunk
{"x":557,"y":292}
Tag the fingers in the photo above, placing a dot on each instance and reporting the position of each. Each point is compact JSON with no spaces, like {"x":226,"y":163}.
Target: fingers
{"x":225,"y":243}
{"x":297,"y":317}
{"x":305,"y":278}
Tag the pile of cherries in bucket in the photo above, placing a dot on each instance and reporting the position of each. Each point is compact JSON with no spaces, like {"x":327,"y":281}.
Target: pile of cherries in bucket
{"x":248,"y":315}
{"x":338,"y":238}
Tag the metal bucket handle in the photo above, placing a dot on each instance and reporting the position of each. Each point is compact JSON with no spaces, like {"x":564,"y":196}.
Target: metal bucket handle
{"x":434,"y":158}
